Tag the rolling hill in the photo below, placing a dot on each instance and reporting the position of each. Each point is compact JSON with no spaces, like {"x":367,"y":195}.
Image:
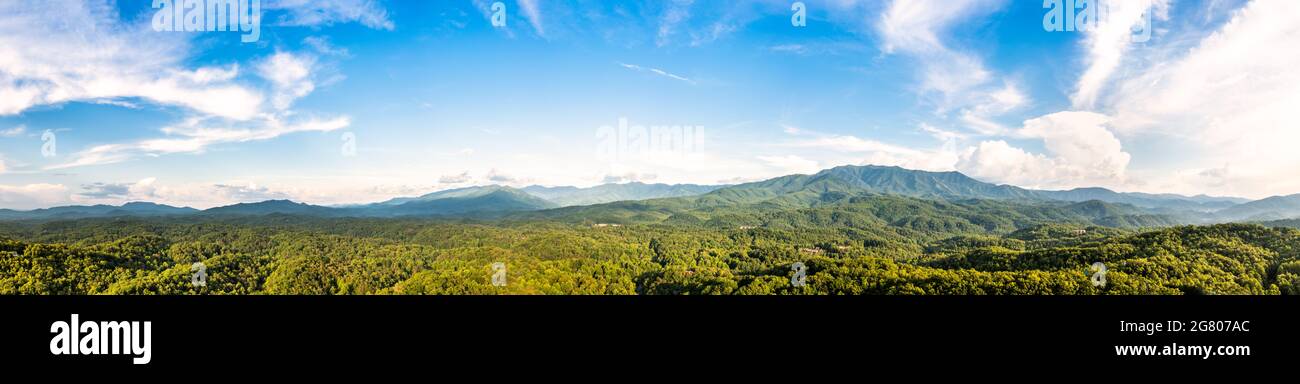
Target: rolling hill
{"x":1272,"y":208}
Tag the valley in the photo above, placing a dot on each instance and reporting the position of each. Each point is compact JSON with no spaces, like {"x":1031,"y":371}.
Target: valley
{"x":856,"y":230}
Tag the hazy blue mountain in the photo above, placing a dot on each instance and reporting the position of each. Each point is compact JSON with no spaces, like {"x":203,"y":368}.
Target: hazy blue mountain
{"x":1273,"y":208}
{"x":272,"y":207}
{"x":473,"y":201}
{"x":1200,"y":203}
{"x":608,"y":193}
{"x":83,"y":211}
{"x":487,"y":200}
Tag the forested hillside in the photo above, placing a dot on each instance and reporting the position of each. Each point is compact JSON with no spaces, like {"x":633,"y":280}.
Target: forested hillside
{"x":847,"y":230}
{"x":907,"y":248}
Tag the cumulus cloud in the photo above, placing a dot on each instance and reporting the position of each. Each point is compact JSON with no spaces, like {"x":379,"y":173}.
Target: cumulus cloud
{"x":322,"y":45}
{"x":31,"y":196}
{"x":68,"y":50}
{"x":659,"y":72}
{"x":532,"y":11}
{"x":1232,"y":97}
{"x":676,"y":12}
{"x":289,"y":75}
{"x":1081,"y":151}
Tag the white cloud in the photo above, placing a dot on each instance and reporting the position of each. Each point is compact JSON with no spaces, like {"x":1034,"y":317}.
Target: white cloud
{"x":1233,"y":98}
{"x":31,"y":196}
{"x":999,"y":162}
{"x":65,"y":50}
{"x":250,"y":192}
{"x":657,"y":71}
{"x":14,"y":132}
{"x":791,"y":164}
{"x":873,"y":152}
{"x":322,"y":45}
{"x":1109,"y":40}
{"x":677,"y":12}
{"x":328,"y":12}
{"x":1081,"y":152}
{"x":1003,"y":100}
{"x":982,"y":125}
{"x":959,"y":79}
{"x":69,"y":51}
{"x":196,"y":134}
{"x":942,"y":135}
{"x":1081,"y":140}
{"x":848,"y":143}
{"x":532,"y":12}
{"x":290,"y":76}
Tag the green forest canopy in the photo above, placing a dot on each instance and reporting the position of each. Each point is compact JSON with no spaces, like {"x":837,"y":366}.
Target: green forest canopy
{"x":882,"y":245}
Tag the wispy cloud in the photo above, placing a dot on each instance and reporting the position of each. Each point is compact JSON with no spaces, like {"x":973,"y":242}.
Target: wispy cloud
{"x":290,"y":77}
{"x":958,"y":77}
{"x":48,"y":61}
{"x":532,"y":11}
{"x":657,"y":71}
{"x":677,"y":11}
{"x":1107,"y":43}
{"x":196,"y":135}
{"x":14,"y":132}
{"x":463,"y":177}
{"x":1231,"y":98}
{"x":328,"y":12}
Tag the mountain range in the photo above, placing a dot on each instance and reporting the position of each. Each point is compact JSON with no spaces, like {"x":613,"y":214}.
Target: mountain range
{"x":793,"y":191}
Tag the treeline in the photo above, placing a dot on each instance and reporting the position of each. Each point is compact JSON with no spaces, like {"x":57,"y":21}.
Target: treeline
{"x":907,"y":246}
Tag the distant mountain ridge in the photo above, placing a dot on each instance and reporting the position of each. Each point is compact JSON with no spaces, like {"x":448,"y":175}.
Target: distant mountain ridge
{"x":608,"y":193}
{"x":792,"y":191}
{"x":1272,"y":208}
{"x":944,"y":185}
{"x":271,"y":206}
{"x":80,"y":211}
{"x":489,"y":200}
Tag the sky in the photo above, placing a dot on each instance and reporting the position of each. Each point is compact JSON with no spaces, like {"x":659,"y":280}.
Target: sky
{"x":355,"y":101}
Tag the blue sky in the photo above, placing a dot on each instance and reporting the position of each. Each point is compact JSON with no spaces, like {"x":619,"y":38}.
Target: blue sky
{"x":348,"y":101}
